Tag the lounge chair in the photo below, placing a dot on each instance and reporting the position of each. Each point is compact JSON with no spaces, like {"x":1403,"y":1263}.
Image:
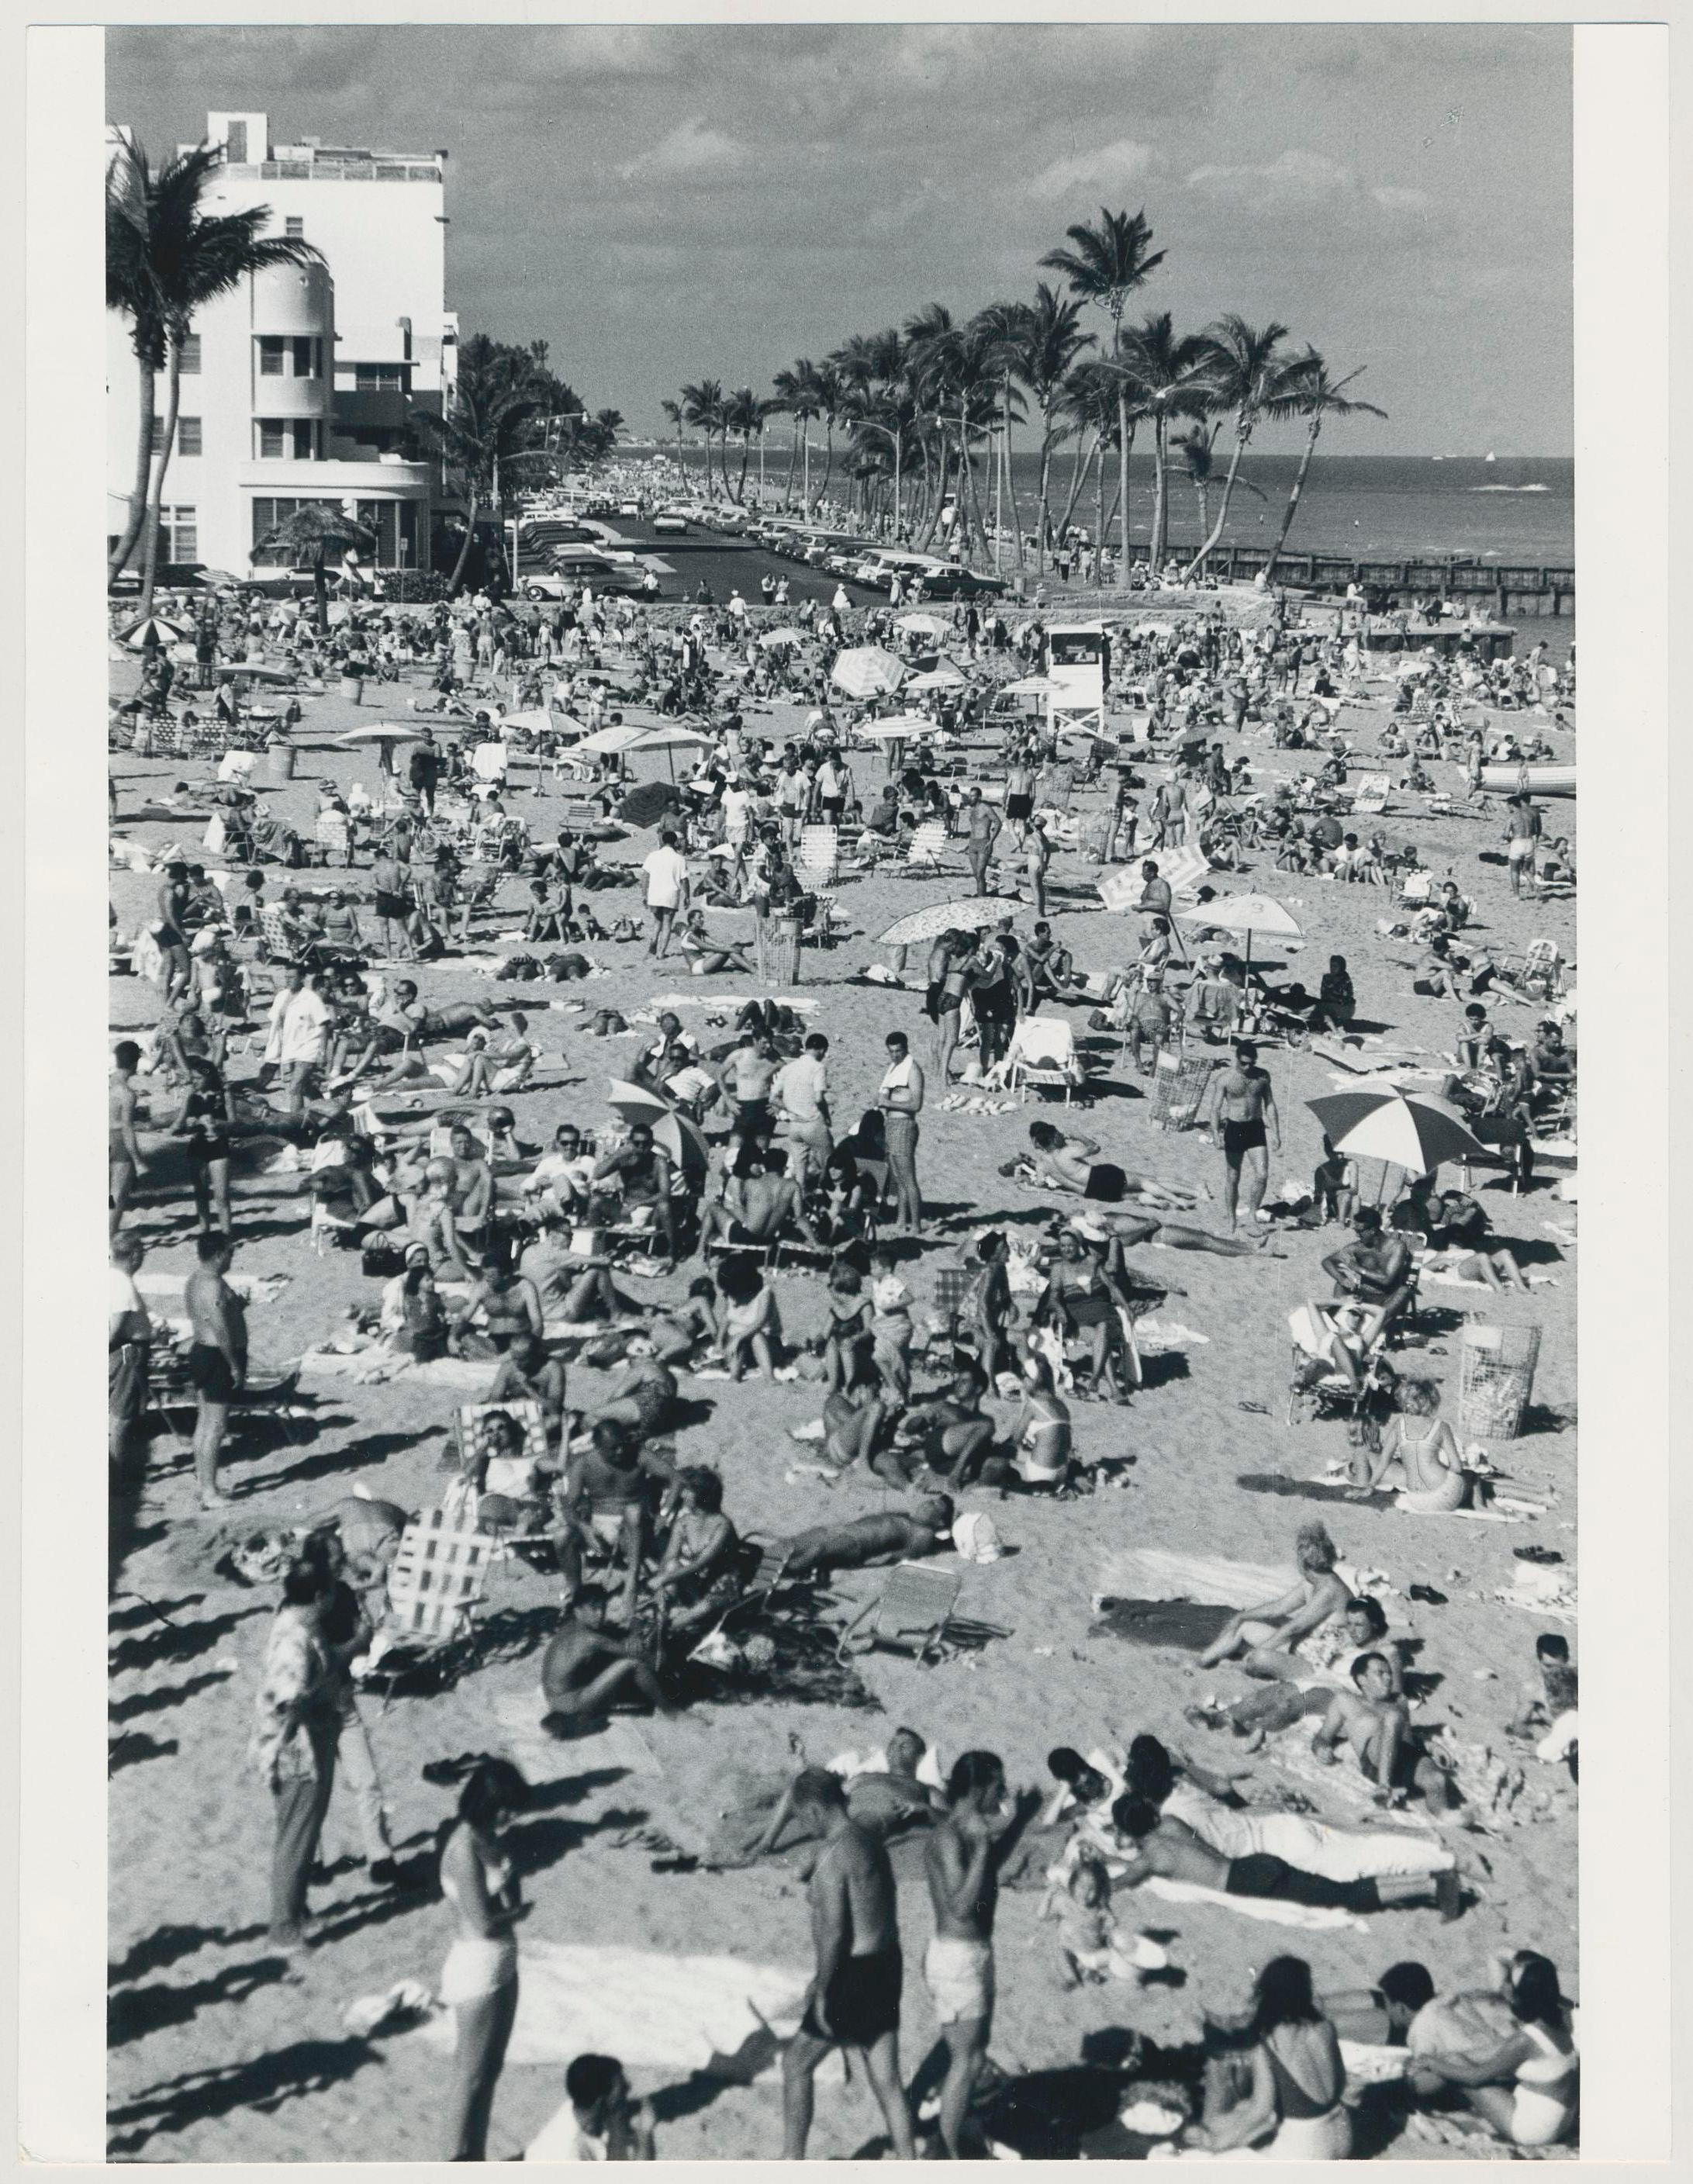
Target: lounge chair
{"x":436,"y":1582}
{"x":1043,"y":1053}
{"x":910,"y":1615}
{"x":926,"y":848}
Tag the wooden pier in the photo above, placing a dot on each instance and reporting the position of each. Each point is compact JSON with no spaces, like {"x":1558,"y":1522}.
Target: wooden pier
{"x":1520,"y":588}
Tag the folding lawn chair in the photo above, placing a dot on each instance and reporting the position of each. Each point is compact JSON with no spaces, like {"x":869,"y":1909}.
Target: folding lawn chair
{"x":910,"y":1615}
{"x":1370,"y":795}
{"x":927,"y":847}
{"x":333,"y":836}
{"x":437,"y":1580}
{"x":818,"y":864}
{"x":1043,"y":1053}
{"x":1417,"y":890}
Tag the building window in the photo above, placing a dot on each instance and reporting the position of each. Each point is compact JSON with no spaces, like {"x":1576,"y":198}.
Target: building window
{"x":235,"y":145}
{"x":188,"y":436}
{"x":190,"y":355}
{"x":270,"y":356}
{"x":179,"y":536}
{"x":286,"y":439}
{"x":290,"y":356}
{"x":305,"y":357}
{"x":379,"y":378}
{"x":293,"y":224}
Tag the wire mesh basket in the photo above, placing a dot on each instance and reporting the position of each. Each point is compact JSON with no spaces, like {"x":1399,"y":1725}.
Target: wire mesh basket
{"x":1179,"y":1085}
{"x":1497,"y":1379}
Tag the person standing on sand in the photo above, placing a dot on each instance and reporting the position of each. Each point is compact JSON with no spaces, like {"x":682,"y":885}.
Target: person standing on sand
{"x":901,"y":1098}
{"x":217,"y":1358}
{"x":292,"y":1745}
{"x":1242,"y":1101}
{"x":961,"y":1862}
{"x":854,"y":1996}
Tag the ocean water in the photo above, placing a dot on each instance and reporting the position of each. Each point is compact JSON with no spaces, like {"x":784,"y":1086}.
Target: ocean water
{"x":1518,"y":510}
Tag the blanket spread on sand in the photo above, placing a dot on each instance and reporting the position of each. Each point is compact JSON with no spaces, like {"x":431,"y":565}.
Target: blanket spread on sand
{"x":651,"y":2010}
{"x":1309,"y":1915}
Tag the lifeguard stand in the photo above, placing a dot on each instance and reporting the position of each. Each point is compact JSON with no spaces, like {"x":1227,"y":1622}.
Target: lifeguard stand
{"x":1077,"y":662}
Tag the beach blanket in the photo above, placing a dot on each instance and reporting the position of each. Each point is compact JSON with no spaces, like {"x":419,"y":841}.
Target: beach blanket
{"x":1157,"y":1335}
{"x":1162,"y":1574}
{"x":1267,"y":1908}
{"x":651,"y":2010}
{"x":372,"y":1364}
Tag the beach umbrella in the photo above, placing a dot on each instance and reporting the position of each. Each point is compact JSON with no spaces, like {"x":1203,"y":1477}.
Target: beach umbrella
{"x":382,"y":731}
{"x":672,"y":1131}
{"x":967,"y":916}
{"x":1411,"y":1130}
{"x":539,"y":720}
{"x":1245,"y":913}
{"x":773,"y":637}
{"x":943,"y":677}
{"x":154,"y":629}
{"x":604,"y":741}
{"x":669,"y":739}
{"x":868,"y":672}
{"x":1031,"y":686}
{"x":922,"y":625}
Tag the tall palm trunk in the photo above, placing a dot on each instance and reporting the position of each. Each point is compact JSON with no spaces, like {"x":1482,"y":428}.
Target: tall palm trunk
{"x":746,"y":457}
{"x":1243,"y":434}
{"x":143,"y":467}
{"x":1011,"y":487}
{"x":1044,"y":512}
{"x":806,"y":506}
{"x":1080,"y":464}
{"x":792,"y":464}
{"x":939,"y":500}
{"x":156,"y":502}
{"x":1100,"y":523}
{"x":1298,"y":488}
{"x":828,"y":459}
{"x":1121,"y":483}
{"x":470,"y":514}
{"x":1160,"y":509}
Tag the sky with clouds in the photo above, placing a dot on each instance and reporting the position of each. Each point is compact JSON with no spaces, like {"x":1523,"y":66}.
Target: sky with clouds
{"x":663,"y":205}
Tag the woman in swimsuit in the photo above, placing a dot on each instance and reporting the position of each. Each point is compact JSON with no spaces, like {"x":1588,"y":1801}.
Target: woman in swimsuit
{"x":1040,"y":1435}
{"x":203,"y":1120}
{"x":479,"y":1979}
{"x":748,"y":1320}
{"x":1080,"y":1295}
{"x":1419,"y":1455}
{"x":1528,"y":2087}
{"x":1263,"y":1637}
{"x":1294,"y":2110}
{"x":695,"y":1574}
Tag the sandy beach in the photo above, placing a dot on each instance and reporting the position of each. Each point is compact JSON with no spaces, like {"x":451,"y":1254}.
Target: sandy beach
{"x":221,"y":2051}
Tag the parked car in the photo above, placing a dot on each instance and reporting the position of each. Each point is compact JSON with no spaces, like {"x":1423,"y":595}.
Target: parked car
{"x":671,"y":521}
{"x":565,"y":582}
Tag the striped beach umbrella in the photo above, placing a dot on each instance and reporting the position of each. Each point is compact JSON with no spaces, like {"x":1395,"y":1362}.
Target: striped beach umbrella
{"x":1411,"y":1130}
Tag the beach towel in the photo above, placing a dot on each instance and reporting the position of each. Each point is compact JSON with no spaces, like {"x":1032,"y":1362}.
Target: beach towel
{"x":1155,"y":1573}
{"x":1167,"y":1334}
{"x":1267,"y":1907}
{"x":651,"y":2010}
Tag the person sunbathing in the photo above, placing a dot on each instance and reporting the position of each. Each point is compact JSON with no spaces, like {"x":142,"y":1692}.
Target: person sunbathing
{"x":676,"y":1332}
{"x":1376,"y":1722}
{"x":1262,"y":1638}
{"x":707,"y":953}
{"x":1167,"y":1849}
{"x":1526,"y":2084}
{"x":1065,"y":1162}
{"x":1128,"y":1229}
{"x":748,"y":1323}
{"x":889,"y":1536}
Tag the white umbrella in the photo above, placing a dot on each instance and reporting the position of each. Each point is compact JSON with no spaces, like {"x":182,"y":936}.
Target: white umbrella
{"x":772,"y":637}
{"x":922,"y":625}
{"x":669,"y":739}
{"x":1031,"y":686}
{"x":604,"y":741}
{"x":868,"y":672}
{"x":938,"y":678}
{"x":968,"y":916}
{"x":1245,"y":913}
{"x":672,"y":1133}
{"x":382,"y":731}
{"x":1410,"y":1130}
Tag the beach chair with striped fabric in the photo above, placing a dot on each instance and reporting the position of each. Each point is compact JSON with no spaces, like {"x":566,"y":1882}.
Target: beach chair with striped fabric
{"x":1043,"y":1053}
{"x":436,"y":1582}
{"x":818,"y":864}
{"x":927,"y":848}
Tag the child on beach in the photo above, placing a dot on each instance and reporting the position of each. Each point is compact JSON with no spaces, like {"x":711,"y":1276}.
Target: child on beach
{"x":1090,"y":1948}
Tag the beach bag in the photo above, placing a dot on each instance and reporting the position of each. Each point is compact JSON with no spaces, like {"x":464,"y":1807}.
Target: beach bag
{"x":381,"y":1260}
{"x":977,"y":1538}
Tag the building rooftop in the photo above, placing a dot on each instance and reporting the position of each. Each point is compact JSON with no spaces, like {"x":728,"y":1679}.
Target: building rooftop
{"x":311,"y":163}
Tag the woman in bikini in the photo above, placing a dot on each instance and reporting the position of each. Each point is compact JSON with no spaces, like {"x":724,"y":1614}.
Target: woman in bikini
{"x":1419,"y":1455}
{"x":1528,"y":2085}
{"x":1081,"y":1296}
{"x":479,"y":1979}
{"x":696,"y":1577}
{"x":1041,"y":1462}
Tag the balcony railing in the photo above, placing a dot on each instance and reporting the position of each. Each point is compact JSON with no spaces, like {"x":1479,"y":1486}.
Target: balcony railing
{"x":337,"y":170}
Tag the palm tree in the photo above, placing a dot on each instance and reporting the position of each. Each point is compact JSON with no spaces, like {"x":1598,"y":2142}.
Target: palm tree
{"x":830,"y":389}
{"x":1251,"y":377}
{"x":166,"y":259}
{"x":744,"y":415}
{"x":495,"y":426}
{"x":1105,"y":265}
{"x":1314,"y":395}
{"x":1002,"y":332}
{"x":786,"y":399}
{"x":873,"y":367}
{"x":313,"y":527}
{"x":702,"y":405}
{"x":1050,"y":341}
{"x":1168,"y":374}
{"x":673,"y":411}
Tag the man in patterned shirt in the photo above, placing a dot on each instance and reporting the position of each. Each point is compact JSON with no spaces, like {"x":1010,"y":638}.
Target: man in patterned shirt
{"x":295,"y":1731}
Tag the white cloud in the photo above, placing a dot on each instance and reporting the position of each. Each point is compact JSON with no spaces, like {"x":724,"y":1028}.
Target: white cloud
{"x":1112,"y":166}
{"x":689,"y":147}
{"x":1397,"y":200}
{"x":1296,"y":178}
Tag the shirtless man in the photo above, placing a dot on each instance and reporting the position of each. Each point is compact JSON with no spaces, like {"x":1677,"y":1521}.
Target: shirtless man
{"x":961,"y":1862}
{"x":601,"y":1503}
{"x":123,"y":1149}
{"x":1376,"y":1723}
{"x":217,"y":1358}
{"x":1169,"y":1849}
{"x":889,"y":1536}
{"x":747,"y":1076}
{"x":854,"y":2001}
{"x":755,"y":1207}
{"x":1318,"y":1594}
{"x":584,"y":1671}
{"x":1242,"y":1102}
